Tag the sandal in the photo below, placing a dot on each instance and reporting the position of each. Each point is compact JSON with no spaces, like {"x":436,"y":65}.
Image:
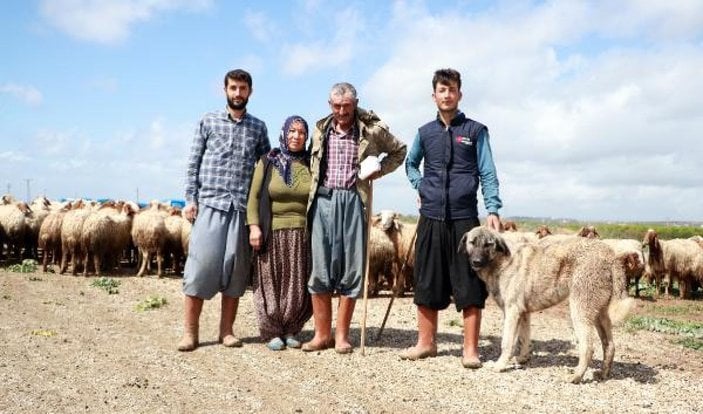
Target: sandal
{"x":276,"y":344}
{"x":292,"y":341}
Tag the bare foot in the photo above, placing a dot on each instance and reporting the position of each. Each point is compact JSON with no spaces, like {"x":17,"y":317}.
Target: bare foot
{"x":419,"y":352}
{"x":317,"y":344}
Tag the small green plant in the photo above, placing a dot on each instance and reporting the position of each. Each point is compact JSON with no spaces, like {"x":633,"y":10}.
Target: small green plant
{"x":456,"y":322}
{"x":684,"y":328}
{"x":151,"y":302}
{"x":691,"y":343}
{"x":27,"y":266}
{"x":108,"y":284}
{"x":691,"y":332}
{"x":680,"y":309}
{"x":43,"y":332}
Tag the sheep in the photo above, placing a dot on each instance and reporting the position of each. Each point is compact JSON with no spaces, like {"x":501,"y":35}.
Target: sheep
{"x":185,"y":236}
{"x":509,"y":225}
{"x":105,"y":235}
{"x":547,"y":238}
{"x":680,"y":259}
{"x":71,"y":232}
{"x":50,"y":236}
{"x":149,"y":235}
{"x":543,"y":231}
{"x":381,"y":257}
{"x":13,"y":220}
{"x":521,"y":237}
{"x":41,"y":208}
{"x":588,"y":232}
{"x":174,"y":247}
{"x":403,"y":238}
{"x":629,"y":252}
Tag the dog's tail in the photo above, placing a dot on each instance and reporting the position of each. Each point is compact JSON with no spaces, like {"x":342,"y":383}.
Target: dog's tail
{"x":620,"y":302}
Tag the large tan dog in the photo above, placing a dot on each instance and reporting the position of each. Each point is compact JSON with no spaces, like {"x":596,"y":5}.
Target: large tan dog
{"x":528,"y":277}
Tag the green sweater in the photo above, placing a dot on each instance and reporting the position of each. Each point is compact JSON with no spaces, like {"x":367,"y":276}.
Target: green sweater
{"x":288,"y":204}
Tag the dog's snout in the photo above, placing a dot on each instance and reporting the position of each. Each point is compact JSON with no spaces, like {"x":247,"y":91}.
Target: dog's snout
{"x":477,"y":263}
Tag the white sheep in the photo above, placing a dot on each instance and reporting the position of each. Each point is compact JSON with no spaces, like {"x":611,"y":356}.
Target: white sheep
{"x":381,"y":257}
{"x":679,"y":259}
{"x":105,"y":235}
{"x":173,"y":244}
{"x":149,"y":235}
{"x":50,"y":236}
{"x":41,"y":207}
{"x":185,"y":236}
{"x":403,"y":238}
{"x":71,"y":232}
{"x":13,"y":220}
{"x":629,"y":252}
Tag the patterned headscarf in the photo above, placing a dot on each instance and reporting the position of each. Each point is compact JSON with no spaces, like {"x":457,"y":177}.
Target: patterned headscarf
{"x":282,"y":158}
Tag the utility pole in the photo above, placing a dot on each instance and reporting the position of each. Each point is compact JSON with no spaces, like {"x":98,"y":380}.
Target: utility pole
{"x":137,"y":195}
{"x":9,"y":187}
{"x":29,"y":198}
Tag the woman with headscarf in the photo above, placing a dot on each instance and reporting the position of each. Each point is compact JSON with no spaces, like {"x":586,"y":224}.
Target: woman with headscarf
{"x":276,"y":215}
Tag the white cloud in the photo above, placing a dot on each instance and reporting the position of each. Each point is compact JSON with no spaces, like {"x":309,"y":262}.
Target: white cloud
{"x":26,"y":93}
{"x":329,"y":53}
{"x":155,"y":135}
{"x":52,"y":143}
{"x":98,"y":164}
{"x":13,"y":157}
{"x":261,"y":27}
{"x":107,"y":21}
{"x":599,"y":133}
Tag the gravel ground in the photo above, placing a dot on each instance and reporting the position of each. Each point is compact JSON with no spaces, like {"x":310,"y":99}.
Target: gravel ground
{"x":66,"y":346}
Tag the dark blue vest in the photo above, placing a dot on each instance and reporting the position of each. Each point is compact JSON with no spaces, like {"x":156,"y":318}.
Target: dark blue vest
{"x":450,"y":173}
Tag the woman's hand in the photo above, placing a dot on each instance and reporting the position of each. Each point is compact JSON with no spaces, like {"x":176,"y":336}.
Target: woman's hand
{"x":255,"y":236}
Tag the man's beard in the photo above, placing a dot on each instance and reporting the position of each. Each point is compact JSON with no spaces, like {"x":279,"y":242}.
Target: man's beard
{"x":237,"y":106}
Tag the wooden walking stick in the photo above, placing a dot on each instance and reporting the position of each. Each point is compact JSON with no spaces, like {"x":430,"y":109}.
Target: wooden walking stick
{"x":395,"y":291}
{"x":366,"y":269}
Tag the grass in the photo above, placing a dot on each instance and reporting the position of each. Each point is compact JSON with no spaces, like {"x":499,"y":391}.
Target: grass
{"x":27,"y":266}
{"x":110,"y":285}
{"x":43,"y":332}
{"x":150,"y":303}
{"x":682,"y":309}
{"x":691,"y":343}
{"x":691,"y":333}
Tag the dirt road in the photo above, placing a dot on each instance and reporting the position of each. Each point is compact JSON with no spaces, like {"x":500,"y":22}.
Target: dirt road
{"x":66,"y":346}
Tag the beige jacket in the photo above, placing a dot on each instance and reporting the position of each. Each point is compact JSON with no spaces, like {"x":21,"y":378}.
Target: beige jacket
{"x":374,"y":139}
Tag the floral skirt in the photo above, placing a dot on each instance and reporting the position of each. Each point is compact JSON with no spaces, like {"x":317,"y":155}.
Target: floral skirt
{"x":281,"y":297}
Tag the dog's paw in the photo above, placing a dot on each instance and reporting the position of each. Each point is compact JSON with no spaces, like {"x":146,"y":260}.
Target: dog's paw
{"x":522,"y":360}
{"x":600,"y":375}
{"x":499,"y":366}
{"x":574,"y":378}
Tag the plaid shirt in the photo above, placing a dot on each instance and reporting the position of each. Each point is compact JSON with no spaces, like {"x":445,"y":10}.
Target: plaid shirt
{"x":222,"y":159}
{"x":342,"y":159}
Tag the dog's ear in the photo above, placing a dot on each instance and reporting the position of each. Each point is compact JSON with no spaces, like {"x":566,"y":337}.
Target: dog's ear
{"x":501,"y":245}
{"x":462,"y":243}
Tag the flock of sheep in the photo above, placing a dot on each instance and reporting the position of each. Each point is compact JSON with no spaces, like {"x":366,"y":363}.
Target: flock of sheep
{"x":660,"y":262}
{"x":94,"y":237}
{"x":97,"y":237}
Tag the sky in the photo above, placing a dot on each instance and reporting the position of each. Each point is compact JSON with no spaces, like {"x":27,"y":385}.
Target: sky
{"x":595,"y":108}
